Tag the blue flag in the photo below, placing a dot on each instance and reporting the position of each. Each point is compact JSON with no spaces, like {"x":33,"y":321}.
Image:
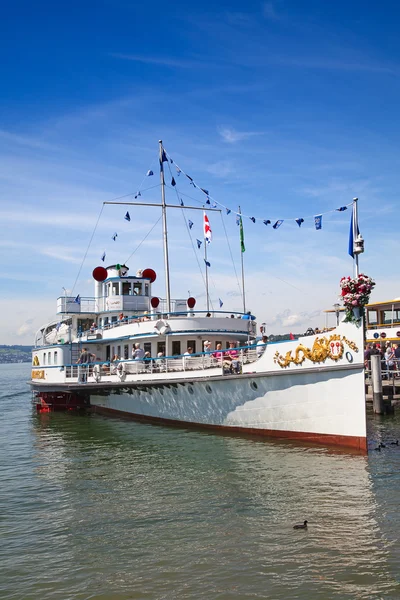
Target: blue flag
{"x":78,"y":299}
{"x":114,"y":237}
{"x":220,"y":303}
{"x":149,"y":173}
{"x":178,"y":170}
{"x":207,"y":263}
{"x":171,"y":161}
{"x":164,"y":157}
{"x":137,"y":195}
{"x":299,"y":222}
{"x":127,"y":217}
{"x":318,"y":222}
{"x":277,"y":224}
{"x":342,"y":208}
{"x":252,"y":219}
{"x":237,"y":219}
{"x":103,"y":256}
{"x":205,"y":191}
{"x":267,"y":222}
{"x":182,"y":202}
{"x":354,"y":231}
{"x":190,"y":223}
{"x":173,"y":182}
{"x":198,"y":243}
{"x":208,"y":201}
{"x":228,"y":211}
{"x":214,"y":205}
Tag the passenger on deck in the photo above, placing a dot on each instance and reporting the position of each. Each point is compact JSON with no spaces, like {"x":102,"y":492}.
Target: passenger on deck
{"x":93,"y":328}
{"x":86,"y":357}
{"x":218,"y":354}
{"x":137,"y":352}
{"x":233,"y":355}
{"x":261,"y":346}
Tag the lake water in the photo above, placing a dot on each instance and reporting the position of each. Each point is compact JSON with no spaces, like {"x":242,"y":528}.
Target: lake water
{"x":105,"y":509}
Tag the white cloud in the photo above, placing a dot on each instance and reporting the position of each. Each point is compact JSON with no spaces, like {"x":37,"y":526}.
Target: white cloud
{"x":231,"y":135}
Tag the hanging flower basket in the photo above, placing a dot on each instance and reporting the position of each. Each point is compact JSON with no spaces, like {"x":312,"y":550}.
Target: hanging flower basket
{"x":355,"y":295}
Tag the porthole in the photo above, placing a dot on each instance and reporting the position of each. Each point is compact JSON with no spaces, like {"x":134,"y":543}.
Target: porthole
{"x":190,"y":389}
{"x":349,"y":357}
{"x":208,"y":388}
{"x":253,"y":385}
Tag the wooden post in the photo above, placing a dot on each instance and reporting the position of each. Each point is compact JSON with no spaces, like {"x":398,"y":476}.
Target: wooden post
{"x":376,"y":379}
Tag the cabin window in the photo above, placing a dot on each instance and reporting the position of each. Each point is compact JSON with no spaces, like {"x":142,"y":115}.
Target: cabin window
{"x":146,"y":289}
{"x":126,"y":351}
{"x":161,"y":347}
{"x":191,"y":344}
{"x":126,"y":288}
{"x":147,"y":347}
{"x":372,"y":317}
{"x":115,"y":288}
{"x":105,"y":322}
{"x":387,"y":316}
{"x":137,"y":288}
{"x":114,"y":319}
{"x":176,"y":348}
{"x":218,"y":342}
{"x":44,"y":358}
{"x":108,"y":352}
{"x":49,"y":358}
{"x":55,"y":358}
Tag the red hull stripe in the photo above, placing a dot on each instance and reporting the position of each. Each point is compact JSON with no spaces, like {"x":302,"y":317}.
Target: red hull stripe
{"x":323,"y":439}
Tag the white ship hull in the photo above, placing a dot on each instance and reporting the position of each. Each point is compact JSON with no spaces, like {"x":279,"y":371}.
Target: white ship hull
{"x":316,"y":406}
{"x":320,"y":402}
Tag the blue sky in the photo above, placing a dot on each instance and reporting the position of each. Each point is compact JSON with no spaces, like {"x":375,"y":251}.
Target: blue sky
{"x":286,"y":108}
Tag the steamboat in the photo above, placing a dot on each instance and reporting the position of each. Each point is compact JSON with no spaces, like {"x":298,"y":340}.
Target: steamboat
{"x":125,"y":351}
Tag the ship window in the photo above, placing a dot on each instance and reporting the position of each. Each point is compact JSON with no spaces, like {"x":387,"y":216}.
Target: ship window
{"x":126,"y":351}
{"x":49,"y":358}
{"x":107,"y":352}
{"x":218,"y":342}
{"x":372,"y":317}
{"x":146,"y":289}
{"x":44,"y":358}
{"x":114,"y":319}
{"x":388,"y":315}
{"x":115,"y":288}
{"x":55,"y":358}
{"x":137,"y":288}
{"x":161,"y":347}
{"x":147,"y":347}
{"x":191,"y":344}
{"x":119,"y":351}
{"x":176,"y":348}
{"x":126,"y":288}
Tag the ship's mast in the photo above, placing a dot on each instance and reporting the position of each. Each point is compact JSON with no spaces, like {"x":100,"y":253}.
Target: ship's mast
{"x":165,"y":231}
{"x":241,"y":261}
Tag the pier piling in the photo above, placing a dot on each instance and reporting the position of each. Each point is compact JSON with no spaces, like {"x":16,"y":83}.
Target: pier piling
{"x":376,"y":379}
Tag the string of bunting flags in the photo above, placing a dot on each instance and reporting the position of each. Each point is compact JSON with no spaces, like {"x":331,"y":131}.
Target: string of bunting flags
{"x":214,"y":204}
{"x":210,"y":201}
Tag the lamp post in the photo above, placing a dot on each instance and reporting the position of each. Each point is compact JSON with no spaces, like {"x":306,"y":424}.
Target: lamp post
{"x":336,"y":306}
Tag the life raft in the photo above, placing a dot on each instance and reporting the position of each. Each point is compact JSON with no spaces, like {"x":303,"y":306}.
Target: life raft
{"x":121,"y":371}
{"x":162,"y":327}
{"x":97,"y":373}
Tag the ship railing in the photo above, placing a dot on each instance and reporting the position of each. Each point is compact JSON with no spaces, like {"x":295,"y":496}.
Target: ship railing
{"x":140,"y":318}
{"x":119,"y":370}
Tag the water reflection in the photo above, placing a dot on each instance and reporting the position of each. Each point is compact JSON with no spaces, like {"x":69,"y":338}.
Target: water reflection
{"x":209,"y":516}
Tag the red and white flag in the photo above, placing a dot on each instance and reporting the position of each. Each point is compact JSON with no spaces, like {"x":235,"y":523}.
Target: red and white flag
{"x":207,"y":229}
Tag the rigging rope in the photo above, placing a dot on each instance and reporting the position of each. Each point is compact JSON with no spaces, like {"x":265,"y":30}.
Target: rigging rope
{"x":191,"y":239}
{"x":87,"y":249}
{"x":144,"y":239}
